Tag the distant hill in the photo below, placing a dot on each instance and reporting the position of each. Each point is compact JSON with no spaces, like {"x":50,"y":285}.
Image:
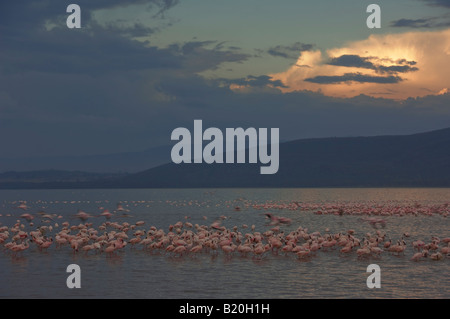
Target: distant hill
{"x":52,"y":179}
{"x":418,"y":160}
{"x":131,"y":162}
{"x":382,"y":161}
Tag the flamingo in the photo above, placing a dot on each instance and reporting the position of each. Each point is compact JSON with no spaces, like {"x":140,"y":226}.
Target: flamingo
{"x":417,"y":256}
{"x":27,"y":217}
{"x":74,"y":244}
{"x":347,"y":249}
{"x":19,"y":247}
{"x":87,"y":248}
{"x":228,"y":249}
{"x":60,"y":240}
{"x":303,"y":254}
{"x":46,"y":244}
{"x":275,"y":220}
{"x":244,"y":249}
{"x":436,"y":256}
{"x":196,"y":249}
{"x":82,"y":215}
{"x":185,"y":237}
{"x":364,"y":251}
{"x":276,"y":244}
{"x":179,"y":250}
{"x":110,"y":249}
{"x":259,"y":250}
{"x":106,"y":214}
{"x":314,"y":247}
{"x":23,"y":206}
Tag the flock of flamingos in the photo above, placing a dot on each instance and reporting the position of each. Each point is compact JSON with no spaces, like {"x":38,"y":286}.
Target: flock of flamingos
{"x":40,"y":232}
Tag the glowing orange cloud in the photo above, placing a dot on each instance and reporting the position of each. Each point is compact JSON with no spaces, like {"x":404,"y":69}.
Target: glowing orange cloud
{"x":396,"y":66}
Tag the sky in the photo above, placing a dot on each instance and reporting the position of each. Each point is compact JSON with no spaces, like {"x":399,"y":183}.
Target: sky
{"x":138,"y":69}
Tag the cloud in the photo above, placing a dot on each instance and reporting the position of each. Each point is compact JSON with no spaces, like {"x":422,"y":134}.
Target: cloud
{"x":133,"y":31}
{"x":435,"y":22}
{"x":289,"y":51}
{"x":252,"y":84}
{"x":199,"y":56}
{"x":351,"y":60}
{"x":353,"y":77}
{"x":438,"y":3}
{"x":98,"y":49}
{"x":441,"y":21}
{"x":56,"y":113}
{"x":40,"y":41}
{"x":413,"y":64}
{"x":91,"y":51}
{"x":98,"y":90}
{"x":94,"y":87}
{"x":36,"y":15}
{"x":412,"y":23}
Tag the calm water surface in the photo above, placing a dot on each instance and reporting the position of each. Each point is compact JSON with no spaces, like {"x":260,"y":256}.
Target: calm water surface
{"x":134,"y":273}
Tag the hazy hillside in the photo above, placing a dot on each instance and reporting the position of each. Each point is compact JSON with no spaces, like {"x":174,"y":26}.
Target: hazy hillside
{"x":413,"y":160}
{"x":52,"y":179}
{"x":131,"y":162}
{"x":419,"y":160}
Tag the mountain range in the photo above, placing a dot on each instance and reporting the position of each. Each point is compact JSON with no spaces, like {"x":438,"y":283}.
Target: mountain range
{"x":127,"y":162}
{"x":417,"y":160}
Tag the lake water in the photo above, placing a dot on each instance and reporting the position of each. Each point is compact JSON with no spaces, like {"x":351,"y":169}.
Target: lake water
{"x":138,"y":273}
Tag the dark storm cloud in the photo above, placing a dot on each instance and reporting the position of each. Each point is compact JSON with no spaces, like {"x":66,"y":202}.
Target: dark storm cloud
{"x":439,"y":3}
{"x":133,"y":31}
{"x":395,"y":69}
{"x":24,"y":14}
{"x":200,"y":56}
{"x":262,"y":81}
{"x":83,"y":115}
{"x":364,"y":62}
{"x":96,"y":90}
{"x":412,"y":23}
{"x":98,"y":49}
{"x":434,"y":22}
{"x":352,"y":61}
{"x":429,"y":22}
{"x":94,"y":49}
{"x":353,"y":77}
{"x":289,"y":51}
{"x":161,"y":5}
{"x":102,"y":51}
{"x":89,"y":89}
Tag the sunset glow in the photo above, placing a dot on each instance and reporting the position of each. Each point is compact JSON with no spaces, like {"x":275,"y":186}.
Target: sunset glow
{"x":396,"y":66}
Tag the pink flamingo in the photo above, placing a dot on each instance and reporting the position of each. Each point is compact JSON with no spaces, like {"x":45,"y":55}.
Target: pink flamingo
{"x":106,"y":214}
{"x":417,"y":256}
{"x":436,"y":256}
{"x":19,"y":247}
{"x":74,"y":244}
{"x":23,"y":206}
{"x":347,"y":249}
{"x":228,"y":249}
{"x":364,"y":251}
{"x":244,"y":249}
{"x":87,"y":248}
{"x":110,"y":249}
{"x":46,"y":244}
{"x":27,"y":217}
{"x":179,"y":250}
{"x":259,"y":250}
{"x":196,"y":249}
{"x":303,"y":254}
{"x":275,"y":220}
